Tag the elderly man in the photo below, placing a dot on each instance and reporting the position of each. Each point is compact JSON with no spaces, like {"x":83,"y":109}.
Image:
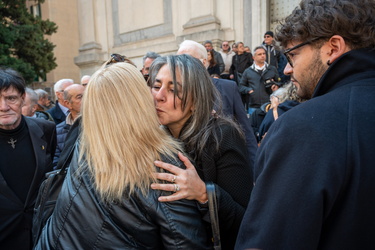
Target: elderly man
{"x":227,"y":56}
{"x":85,"y":80}
{"x":72,"y":99}
{"x":43,"y":100}
{"x":27,"y":146}
{"x":30,"y":107}
{"x":60,"y":111}
{"x":316,"y":171}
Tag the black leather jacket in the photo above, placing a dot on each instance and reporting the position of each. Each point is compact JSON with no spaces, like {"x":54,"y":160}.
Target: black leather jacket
{"x":82,"y":221}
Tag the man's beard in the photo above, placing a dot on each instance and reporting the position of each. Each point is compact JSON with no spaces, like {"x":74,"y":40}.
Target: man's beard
{"x":310,"y":78}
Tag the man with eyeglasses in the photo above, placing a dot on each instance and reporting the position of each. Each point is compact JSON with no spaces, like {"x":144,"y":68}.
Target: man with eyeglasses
{"x":227,"y":56}
{"x":27,"y":146}
{"x":60,"y":111}
{"x":315,"y":168}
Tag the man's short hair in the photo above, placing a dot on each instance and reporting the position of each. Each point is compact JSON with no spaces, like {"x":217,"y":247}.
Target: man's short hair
{"x":259,"y":47}
{"x":11,"y":78}
{"x":59,"y":83}
{"x":207,"y":41}
{"x":353,"y":20}
{"x":67,"y":95}
{"x":32,"y":95}
{"x":150,"y":54}
{"x":41,"y":93}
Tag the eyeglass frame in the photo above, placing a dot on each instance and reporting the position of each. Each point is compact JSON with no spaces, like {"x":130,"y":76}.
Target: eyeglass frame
{"x":297,"y":47}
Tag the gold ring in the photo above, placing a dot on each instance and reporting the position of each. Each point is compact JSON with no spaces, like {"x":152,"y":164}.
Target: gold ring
{"x":174,"y":178}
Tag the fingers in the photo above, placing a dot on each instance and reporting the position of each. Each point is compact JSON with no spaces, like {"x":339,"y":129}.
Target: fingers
{"x":186,"y":161}
{"x":177,"y":195}
{"x":169,"y":167}
{"x":174,"y":197}
{"x":166,"y":177}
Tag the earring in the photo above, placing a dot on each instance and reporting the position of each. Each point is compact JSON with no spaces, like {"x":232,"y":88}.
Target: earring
{"x":329,"y":63}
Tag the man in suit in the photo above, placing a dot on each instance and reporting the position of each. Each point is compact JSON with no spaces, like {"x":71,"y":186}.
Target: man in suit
{"x":232,"y":105}
{"x":27,"y":146}
{"x":60,"y":111}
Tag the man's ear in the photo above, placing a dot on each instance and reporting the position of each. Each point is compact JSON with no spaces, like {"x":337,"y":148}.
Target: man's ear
{"x":67,"y":104}
{"x":336,"y":47}
{"x":23,"y":99}
{"x":34,"y":108}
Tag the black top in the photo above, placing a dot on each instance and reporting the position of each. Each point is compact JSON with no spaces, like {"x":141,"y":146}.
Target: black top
{"x":17,"y":171}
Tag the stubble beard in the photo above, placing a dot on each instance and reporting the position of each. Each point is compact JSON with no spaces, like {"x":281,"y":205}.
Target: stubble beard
{"x":309,"y":80}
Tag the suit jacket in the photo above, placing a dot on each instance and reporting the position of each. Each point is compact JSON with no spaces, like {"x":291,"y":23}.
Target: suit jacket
{"x":57,"y":114}
{"x":15,"y":215}
{"x":233,"y":107}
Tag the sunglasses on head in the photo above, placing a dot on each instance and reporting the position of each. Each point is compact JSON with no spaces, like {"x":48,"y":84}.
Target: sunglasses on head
{"x":115,"y":58}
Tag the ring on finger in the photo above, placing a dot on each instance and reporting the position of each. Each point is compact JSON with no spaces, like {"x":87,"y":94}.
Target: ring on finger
{"x":174,"y":178}
{"x":176,"y":188}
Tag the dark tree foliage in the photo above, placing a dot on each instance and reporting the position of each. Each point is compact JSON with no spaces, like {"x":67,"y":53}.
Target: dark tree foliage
{"x":23,"y":46}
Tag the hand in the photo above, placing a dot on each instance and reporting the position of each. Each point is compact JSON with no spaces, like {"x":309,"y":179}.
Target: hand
{"x":190,"y":184}
{"x":251,"y":91}
{"x":231,"y":76}
{"x":274,"y":102}
{"x":274,"y":87}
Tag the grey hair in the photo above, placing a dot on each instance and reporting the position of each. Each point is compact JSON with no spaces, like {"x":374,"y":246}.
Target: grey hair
{"x":33,"y":96}
{"x":58,"y":84}
{"x":287,"y":92}
{"x":208,"y":41}
{"x":259,"y":47}
{"x":198,"y":49}
{"x":41,"y":93}
{"x":196,"y":87}
{"x":67,"y":95}
{"x":150,"y":54}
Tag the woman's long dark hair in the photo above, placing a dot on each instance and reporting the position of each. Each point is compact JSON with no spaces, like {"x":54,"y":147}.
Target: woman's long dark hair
{"x":197,"y":87}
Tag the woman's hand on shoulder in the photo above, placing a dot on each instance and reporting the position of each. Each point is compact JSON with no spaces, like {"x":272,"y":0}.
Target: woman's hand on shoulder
{"x":185,"y":183}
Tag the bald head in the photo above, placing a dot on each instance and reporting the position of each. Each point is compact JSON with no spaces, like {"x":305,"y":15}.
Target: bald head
{"x":73,"y":97}
{"x":85,"y":80}
{"x":194,"y":49}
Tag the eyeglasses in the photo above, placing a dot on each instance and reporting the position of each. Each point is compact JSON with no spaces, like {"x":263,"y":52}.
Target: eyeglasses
{"x":115,"y":58}
{"x":267,"y":36}
{"x":225,"y":45}
{"x":286,"y":52}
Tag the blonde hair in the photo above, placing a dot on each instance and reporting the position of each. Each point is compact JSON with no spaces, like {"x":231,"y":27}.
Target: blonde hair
{"x":121,"y":136}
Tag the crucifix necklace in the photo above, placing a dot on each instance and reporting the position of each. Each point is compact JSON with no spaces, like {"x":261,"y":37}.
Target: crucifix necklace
{"x":12,"y":142}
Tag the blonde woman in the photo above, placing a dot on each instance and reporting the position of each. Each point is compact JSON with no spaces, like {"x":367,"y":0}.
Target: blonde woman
{"x":106,"y":201}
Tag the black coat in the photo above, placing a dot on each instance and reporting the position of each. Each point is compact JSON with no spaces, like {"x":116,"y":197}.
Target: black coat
{"x":230,"y":171}
{"x":15,"y":215}
{"x":233,"y":107}
{"x":316,"y":183}
{"x":82,"y":221}
{"x":252,"y":80}
{"x":57,"y":114}
{"x":239,"y":64}
{"x":62,"y":130}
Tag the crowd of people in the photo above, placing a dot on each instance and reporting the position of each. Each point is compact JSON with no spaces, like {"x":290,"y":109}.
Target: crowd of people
{"x":280,"y":133}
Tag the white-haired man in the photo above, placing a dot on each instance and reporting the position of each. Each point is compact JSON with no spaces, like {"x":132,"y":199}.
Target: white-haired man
{"x":60,"y":111}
